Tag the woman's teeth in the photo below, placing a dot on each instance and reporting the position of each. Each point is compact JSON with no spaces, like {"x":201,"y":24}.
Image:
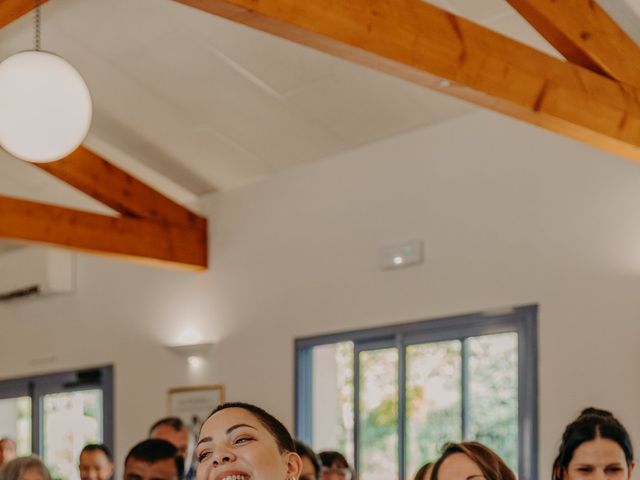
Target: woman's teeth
{"x":235,"y":477}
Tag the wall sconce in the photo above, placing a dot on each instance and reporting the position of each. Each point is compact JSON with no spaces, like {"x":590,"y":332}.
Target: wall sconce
{"x":193,"y":352}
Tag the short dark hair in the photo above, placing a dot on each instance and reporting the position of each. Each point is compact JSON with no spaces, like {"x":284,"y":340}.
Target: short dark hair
{"x":98,"y":447}
{"x":592,"y":423}
{"x":153,"y":450}
{"x":174,"y":422}
{"x":489,"y":463}
{"x":272,"y":424}
{"x":330,"y":457}
{"x":305,"y":450}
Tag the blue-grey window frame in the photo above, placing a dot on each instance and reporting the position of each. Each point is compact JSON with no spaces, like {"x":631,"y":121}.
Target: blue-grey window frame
{"x":521,"y":320}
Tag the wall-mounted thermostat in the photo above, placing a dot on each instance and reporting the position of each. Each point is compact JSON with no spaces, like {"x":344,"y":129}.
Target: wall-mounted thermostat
{"x":402,"y":255}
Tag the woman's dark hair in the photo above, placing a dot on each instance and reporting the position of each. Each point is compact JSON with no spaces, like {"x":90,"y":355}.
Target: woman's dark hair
{"x":329,"y":458}
{"x":305,"y":450}
{"x":421,"y":474}
{"x":592,"y":423}
{"x":489,"y":463}
{"x":272,"y":424}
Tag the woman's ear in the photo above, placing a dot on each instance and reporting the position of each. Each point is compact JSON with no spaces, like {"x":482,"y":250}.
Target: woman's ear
{"x":632,"y":465}
{"x":294,"y":464}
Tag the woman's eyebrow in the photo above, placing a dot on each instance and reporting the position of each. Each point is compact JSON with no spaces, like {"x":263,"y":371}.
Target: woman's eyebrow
{"x":238,"y":425}
{"x":204,"y":439}
{"x":229,"y":430}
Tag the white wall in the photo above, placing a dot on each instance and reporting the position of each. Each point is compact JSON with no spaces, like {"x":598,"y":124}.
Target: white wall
{"x":510,"y":215}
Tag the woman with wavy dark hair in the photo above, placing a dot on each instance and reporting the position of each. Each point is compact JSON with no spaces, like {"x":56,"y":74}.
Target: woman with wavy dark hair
{"x":594,"y":445}
{"x":470,"y":461}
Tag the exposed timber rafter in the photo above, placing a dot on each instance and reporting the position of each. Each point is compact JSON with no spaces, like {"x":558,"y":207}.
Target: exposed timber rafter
{"x":419,"y":42}
{"x":111,"y":186}
{"x":149,"y":227}
{"x":127,"y":237}
{"x":584,"y":33}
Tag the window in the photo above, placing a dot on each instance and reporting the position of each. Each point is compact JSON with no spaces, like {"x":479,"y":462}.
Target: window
{"x":389,"y":398}
{"x":56,"y":415}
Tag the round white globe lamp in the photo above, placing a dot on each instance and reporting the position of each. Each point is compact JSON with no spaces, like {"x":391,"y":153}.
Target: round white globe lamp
{"x":45,"y":107}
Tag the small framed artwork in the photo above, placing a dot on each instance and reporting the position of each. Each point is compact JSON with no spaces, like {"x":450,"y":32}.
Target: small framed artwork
{"x":194,"y":404}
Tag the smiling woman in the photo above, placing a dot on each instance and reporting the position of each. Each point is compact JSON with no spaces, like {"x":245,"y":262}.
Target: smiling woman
{"x":240,"y":441}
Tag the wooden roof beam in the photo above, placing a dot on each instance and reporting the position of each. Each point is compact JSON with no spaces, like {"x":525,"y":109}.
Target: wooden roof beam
{"x":117,"y":189}
{"x":414,"y":40}
{"x":586,"y":35}
{"x":11,"y":10}
{"x":130,"y":238}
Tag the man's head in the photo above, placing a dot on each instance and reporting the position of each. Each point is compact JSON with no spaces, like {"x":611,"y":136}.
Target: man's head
{"x":174,"y":431}
{"x":7,"y":450}
{"x":153,"y":459}
{"x":96,"y":463}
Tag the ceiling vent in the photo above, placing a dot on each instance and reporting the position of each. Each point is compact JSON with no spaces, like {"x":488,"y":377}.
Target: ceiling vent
{"x":27,"y":272}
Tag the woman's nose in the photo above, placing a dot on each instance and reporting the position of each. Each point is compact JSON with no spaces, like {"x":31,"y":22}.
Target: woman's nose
{"x":222,"y":456}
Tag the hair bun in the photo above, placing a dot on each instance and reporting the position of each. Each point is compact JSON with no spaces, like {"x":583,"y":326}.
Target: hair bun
{"x":596,"y":412}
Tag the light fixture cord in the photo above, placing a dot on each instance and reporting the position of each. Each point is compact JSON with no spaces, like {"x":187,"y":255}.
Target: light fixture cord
{"x":36,"y":27}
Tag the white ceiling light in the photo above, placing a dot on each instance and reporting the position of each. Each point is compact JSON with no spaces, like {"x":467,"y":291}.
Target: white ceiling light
{"x":45,"y":105}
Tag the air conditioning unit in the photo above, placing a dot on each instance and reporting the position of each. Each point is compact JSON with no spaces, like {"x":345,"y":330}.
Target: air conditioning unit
{"x":36,"y":271}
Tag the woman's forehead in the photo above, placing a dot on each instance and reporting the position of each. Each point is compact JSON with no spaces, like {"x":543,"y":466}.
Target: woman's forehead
{"x":459,"y":460}
{"x":598,"y":448}
{"x":230,"y":417}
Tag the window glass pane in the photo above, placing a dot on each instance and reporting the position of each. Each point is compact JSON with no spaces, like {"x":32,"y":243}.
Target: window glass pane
{"x":70,"y":421}
{"x":15,"y":419}
{"x":333,"y":419}
{"x":433,"y":401}
{"x":493,"y":391}
{"x":378,"y":453}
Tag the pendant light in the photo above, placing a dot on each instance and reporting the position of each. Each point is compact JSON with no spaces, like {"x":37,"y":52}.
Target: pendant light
{"x":45,"y":105}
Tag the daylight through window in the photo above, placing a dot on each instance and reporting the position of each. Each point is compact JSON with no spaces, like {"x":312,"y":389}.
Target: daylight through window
{"x":390,"y":398}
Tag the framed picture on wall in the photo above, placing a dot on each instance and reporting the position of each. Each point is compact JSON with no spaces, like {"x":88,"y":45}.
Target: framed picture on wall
{"x":194,"y":404}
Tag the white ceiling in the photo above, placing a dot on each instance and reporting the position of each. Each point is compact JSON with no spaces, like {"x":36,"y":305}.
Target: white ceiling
{"x":192,"y":103}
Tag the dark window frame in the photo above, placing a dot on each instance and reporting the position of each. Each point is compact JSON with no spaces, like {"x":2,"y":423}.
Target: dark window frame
{"x":37,"y":386}
{"x":522,"y":320}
